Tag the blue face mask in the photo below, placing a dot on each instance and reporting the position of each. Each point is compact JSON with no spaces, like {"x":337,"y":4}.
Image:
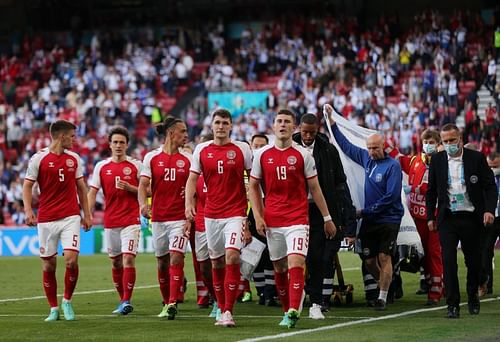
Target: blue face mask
{"x":429,"y":148}
{"x":451,"y":149}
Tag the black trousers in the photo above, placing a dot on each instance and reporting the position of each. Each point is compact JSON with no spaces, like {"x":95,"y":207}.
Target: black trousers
{"x":467,"y":229}
{"x":490,"y":236}
{"x":319,"y":256}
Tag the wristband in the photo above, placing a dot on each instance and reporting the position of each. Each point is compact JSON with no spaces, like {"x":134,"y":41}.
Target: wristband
{"x":327,"y":218}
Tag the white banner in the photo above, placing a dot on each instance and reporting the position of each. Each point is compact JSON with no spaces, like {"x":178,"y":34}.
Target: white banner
{"x":357,"y":135}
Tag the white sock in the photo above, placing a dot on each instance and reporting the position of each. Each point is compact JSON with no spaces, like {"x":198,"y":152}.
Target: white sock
{"x":383,"y":295}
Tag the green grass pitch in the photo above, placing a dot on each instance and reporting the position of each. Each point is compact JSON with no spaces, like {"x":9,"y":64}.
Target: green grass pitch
{"x":23,"y":308}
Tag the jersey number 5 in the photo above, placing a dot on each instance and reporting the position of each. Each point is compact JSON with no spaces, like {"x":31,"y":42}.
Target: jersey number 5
{"x":61,"y":175}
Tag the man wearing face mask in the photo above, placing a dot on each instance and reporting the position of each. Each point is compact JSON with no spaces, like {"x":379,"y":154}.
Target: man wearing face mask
{"x":463,"y":188}
{"x":417,"y":169}
{"x":492,"y":233}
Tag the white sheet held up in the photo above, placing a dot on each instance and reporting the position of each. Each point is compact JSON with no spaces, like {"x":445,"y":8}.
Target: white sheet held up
{"x":408,"y":234}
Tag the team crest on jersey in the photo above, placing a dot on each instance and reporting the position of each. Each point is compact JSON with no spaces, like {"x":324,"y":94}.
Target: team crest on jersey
{"x":378,"y":178}
{"x":231,"y":154}
{"x":127,"y":171}
{"x":180,"y":164}
{"x":70,"y":162}
{"x":292,"y":160}
{"x":366,"y":251}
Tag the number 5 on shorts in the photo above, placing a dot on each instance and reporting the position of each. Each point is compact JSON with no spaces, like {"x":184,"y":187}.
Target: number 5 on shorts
{"x":75,"y":241}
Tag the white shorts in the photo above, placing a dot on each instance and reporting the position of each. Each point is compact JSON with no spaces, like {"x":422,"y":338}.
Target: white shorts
{"x":224,"y":234}
{"x":169,"y":236}
{"x":67,"y":230}
{"x":201,"y":246}
{"x":122,"y":240}
{"x":284,"y":241}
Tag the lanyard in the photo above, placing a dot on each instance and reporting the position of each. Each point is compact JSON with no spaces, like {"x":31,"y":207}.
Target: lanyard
{"x":462,"y":178}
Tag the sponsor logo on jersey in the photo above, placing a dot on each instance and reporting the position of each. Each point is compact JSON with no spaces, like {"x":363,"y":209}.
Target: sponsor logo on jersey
{"x":70,"y":162}
{"x":210,"y":155}
{"x":291,"y":160}
{"x":160,"y":163}
{"x":51,"y":164}
{"x":127,"y":171}
{"x":180,"y":163}
{"x":231,"y":154}
{"x":270,"y":161}
{"x":108,"y":172}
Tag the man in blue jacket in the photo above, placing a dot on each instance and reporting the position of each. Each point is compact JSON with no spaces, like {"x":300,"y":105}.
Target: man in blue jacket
{"x":383,"y":210}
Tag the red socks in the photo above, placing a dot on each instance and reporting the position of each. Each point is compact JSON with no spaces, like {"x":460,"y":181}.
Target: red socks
{"x":118,"y":280}
{"x":281,"y":280}
{"x":231,"y":283}
{"x":201,"y":288}
{"x":296,"y":286}
{"x":164,"y":282}
{"x":50,"y":288}
{"x":176,"y":280}
{"x":218,"y":282}
{"x":128,"y":282}
{"x":70,"y":279}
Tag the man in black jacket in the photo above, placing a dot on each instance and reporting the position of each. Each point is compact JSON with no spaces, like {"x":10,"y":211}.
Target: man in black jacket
{"x":333,"y":184}
{"x":463,"y":187}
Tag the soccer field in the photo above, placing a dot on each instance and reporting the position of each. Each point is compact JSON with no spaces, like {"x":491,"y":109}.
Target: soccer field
{"x":23,"y":307}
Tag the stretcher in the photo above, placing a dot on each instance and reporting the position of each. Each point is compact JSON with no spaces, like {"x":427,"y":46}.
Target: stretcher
{"x":342,"y":292}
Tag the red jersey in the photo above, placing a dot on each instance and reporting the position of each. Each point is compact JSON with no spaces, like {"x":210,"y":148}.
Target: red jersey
{"x":122,"y":207}
{"x":418,"y":172}
{"x":223,"y":168}
{"x":201,"y":195}
{"x":56,"y":176}
{"x":284,"y":175}
{"x":168,"y":174}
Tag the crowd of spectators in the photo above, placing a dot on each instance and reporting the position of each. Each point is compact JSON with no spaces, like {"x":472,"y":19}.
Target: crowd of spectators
{"x":384,"y":77}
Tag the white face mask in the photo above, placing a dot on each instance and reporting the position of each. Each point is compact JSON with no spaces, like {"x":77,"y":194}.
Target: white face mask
{"x":429,"y":148}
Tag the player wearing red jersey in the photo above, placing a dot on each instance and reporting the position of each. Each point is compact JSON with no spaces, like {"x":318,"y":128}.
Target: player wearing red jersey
{"x":118,"y":177}
{"x":166,"y":170}
{"x":223,"y":163}
{"x":198,"y":239}
{"x":59,"y":174}
{"x":286,"y":171}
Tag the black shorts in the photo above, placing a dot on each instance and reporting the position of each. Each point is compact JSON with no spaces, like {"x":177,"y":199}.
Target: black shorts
{"x":378,"y":238}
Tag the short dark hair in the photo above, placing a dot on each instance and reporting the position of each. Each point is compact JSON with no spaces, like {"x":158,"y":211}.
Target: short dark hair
{"x":449,"y":127}
{"x":431,"y":134}
{"x":119,"y":130}
{"x":260,"y":135}
{"x":285,"y":111}
{"x":223,"y":113}
{"x":310,"y":119}
{"x":168,"y":123}
{"x":493,"y":155}
{"x":60,"y":126}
